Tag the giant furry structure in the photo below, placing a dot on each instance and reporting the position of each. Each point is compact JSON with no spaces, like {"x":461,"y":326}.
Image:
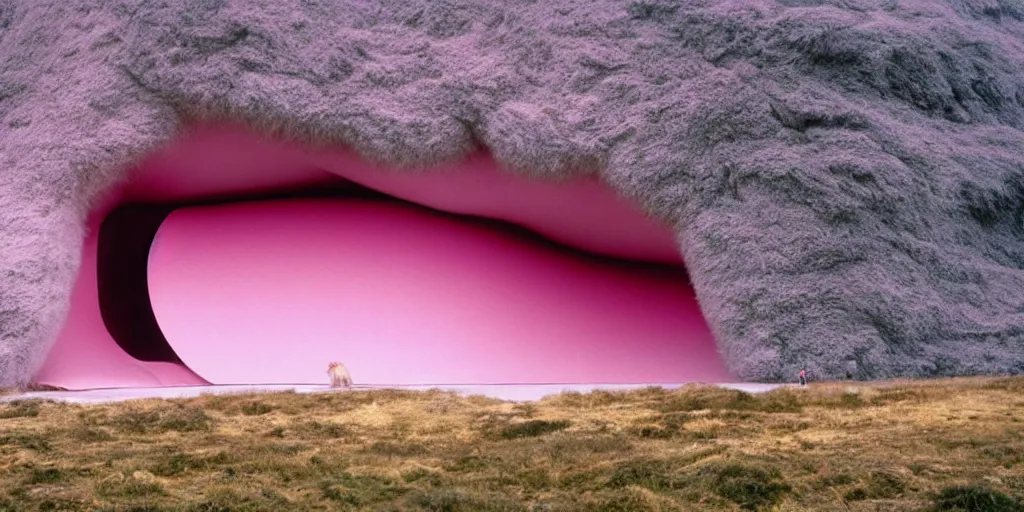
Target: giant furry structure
{"x":845,"y":177}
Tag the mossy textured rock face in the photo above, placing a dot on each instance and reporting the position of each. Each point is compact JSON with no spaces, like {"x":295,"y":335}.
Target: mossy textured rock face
{"x":846,"y":176}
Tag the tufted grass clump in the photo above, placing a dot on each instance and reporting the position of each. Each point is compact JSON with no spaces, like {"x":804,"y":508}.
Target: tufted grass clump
{"x":975,"y":498}
{"x":176,"y":417}
{"x":533,"y":428}
{"x":20,"y":409}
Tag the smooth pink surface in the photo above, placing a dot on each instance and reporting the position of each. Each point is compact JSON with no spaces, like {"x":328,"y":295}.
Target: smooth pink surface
{"x":269,"y":292}
{"x":581,"y":213}
{"x":85,"y":356}
{"x":212,"y":161}
{"x":219,"y":160}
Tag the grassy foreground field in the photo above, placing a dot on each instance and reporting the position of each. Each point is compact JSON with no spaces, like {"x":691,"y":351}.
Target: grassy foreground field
{"x":939,"y":445}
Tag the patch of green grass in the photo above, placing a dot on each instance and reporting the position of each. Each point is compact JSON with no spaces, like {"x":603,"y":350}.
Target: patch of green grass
{"x":1004,"y":454}
{"x":851,"y":400}
{"x":20,"y":409}
{"x":27,"y":440}
{"x":458,"y":500}
{"x":62,"y":505}
{"x":393,"y":449}
{"x":655,"y":475}
{"x":533,"y":428}
{"x":319,"y":429}
{"x":621,"y":500}
{"x":569,"y":449}
{"x":667,"y":427}
{"x":879,"y":485}
{"x":535,"y":479}
{"x":46,"y":476}
{"x":699,"y":398}
{"x":256,"y":408}
{"x":423,"y":476}
{"x":283,"y":448}
{"x":836,"y":480}
{"x":1015,"y":483}
{"x":584,"y":480}
{"x":87,"y":434}
{"x":176,"y":417}
{"x":224,"y":499}
{"x":128,"y":488}
{"x":469,"y":463}
{"x":751,"y":487}
{"x":362,"y":490}
{"x":858,"y":494}
{"x":975,"y":498}
{"x":179,"y":463}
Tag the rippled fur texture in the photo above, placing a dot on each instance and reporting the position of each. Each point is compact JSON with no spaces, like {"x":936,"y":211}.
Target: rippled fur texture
{"x":846,"y":177}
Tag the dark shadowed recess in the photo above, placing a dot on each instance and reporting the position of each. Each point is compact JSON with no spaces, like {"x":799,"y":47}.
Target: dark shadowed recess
{"x":122,"y":284}
{"x":125,"y":238}
{"x":127,"y":234}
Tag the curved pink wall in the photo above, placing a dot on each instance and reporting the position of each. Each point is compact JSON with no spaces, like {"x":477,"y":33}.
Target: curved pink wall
{"x":217,"y":160}
{"x":85,"y":355}
{"x":274,"y":290}
{"x":659,"y":333}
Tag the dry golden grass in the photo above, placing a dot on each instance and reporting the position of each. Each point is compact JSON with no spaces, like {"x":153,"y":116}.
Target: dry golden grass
{"x":939,"y":445}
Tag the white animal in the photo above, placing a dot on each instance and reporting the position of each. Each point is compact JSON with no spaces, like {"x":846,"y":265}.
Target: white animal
{"x":339,"y":375}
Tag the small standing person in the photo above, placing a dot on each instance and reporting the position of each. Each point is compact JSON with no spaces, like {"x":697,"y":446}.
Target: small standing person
{"x":803,"y":377}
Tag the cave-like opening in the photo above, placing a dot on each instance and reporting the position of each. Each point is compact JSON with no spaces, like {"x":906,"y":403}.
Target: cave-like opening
{"x":589,"y":290}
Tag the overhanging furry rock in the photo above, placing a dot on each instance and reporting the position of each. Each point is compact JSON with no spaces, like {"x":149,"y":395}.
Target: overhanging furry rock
{"x":446,"y":192}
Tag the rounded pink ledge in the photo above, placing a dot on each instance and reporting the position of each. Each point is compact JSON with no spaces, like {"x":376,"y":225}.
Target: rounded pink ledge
{"x":272,"y":291}
{"x":211,"y":161}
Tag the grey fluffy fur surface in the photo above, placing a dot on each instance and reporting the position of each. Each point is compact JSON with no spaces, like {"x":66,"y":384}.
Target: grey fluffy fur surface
{"x":846,"y":177}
